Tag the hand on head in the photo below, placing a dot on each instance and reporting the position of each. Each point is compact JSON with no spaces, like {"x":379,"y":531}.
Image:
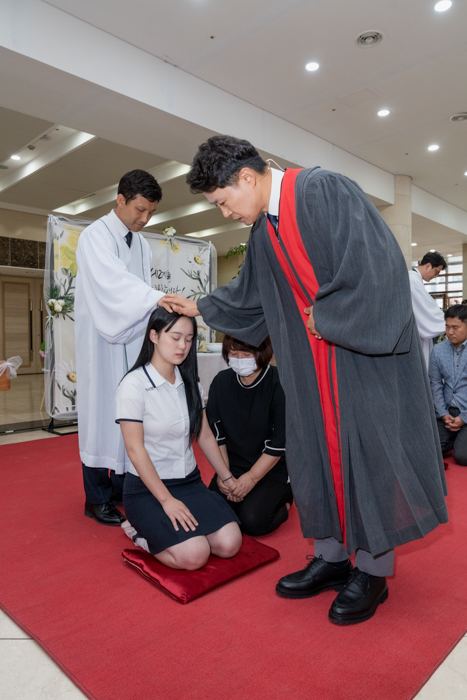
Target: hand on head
{"x":179,"y":304}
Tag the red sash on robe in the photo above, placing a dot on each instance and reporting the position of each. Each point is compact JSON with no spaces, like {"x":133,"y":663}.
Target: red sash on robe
{"x":297,"y":267}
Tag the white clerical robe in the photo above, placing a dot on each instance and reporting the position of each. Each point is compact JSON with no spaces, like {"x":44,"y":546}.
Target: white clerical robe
{"x":113,"y":301}
{"x":428,"y":316}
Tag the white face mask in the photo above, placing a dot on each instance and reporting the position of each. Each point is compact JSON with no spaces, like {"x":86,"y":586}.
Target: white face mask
{"x":243,"y":366}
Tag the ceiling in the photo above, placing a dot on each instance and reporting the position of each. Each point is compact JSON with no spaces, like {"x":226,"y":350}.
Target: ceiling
{"x":257,"y":51}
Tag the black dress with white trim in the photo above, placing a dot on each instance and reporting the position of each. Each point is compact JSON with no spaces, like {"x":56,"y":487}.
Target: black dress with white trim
{"x":249,"y":421}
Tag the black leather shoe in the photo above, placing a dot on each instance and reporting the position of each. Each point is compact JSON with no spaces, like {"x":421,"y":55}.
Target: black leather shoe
{"x":359,"y":599}
{"x":317,"y":576}
{"x":104,"y":513}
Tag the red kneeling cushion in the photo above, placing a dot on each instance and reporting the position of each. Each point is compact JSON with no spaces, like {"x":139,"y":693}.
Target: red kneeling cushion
{"x":188,"y":585}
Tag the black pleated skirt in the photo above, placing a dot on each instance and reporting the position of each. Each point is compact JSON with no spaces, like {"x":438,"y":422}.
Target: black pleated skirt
{"x":147,"y":516}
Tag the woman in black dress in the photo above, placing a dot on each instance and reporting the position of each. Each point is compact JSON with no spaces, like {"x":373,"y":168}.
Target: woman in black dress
{"x":246,"y":412}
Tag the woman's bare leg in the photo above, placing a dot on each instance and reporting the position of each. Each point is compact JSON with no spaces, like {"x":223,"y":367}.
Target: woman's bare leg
{"x":225,"y":542}
{"x":189,"y":555}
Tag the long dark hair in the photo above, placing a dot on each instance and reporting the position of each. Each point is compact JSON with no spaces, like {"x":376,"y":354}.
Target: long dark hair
{"x":162,"y":320}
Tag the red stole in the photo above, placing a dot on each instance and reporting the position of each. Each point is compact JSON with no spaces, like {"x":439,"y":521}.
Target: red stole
{"x":288,"y":246}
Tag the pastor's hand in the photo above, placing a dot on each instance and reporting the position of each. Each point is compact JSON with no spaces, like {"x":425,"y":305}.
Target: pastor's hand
{"x":310,"y":324}
{"x":179,"y":304}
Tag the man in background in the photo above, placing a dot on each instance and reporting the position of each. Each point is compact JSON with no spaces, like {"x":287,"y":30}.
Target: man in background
{"x":113,"y":301}
{"x":448,"y":377}
{"x":428,"y":316}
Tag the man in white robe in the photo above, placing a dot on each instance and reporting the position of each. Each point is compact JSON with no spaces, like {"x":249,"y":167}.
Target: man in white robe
{"x":428,"y":316}
{"x":113,"y":301}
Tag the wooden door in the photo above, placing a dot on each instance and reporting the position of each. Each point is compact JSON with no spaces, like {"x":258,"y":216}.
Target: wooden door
{"x":21,"y":326}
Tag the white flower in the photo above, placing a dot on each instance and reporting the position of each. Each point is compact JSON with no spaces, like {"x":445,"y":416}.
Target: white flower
{"x":169,"y":231}
{"x":57,"y":307}
{"x":65,"y":374}
{"x":51,"y":302}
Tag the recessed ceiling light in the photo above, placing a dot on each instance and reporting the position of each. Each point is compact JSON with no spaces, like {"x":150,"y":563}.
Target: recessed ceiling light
{"x":432,"y":250}
{"x":433,"y":147}
{"x":460,"y":117}
{"x":15,"y":158}
{"x":383,"y":112}
{"x":312,"y":66}
{"x":368,"y":39}
{"x":449,"y":255}
{"x":465,"y":173}
{"x":443,"y":5}
{"x":413,"y":244}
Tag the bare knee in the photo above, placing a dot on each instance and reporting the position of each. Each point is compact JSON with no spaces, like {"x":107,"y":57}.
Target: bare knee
{"x":190,"y":555}
{"x":226,"y":542}
{"x":191,"y":561}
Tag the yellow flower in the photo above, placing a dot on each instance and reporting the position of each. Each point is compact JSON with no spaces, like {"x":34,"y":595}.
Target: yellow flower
{"x":198,"y":260}
{"x":71,"y":376}
{"x":72,"y":240}
{"x":68,"y":259}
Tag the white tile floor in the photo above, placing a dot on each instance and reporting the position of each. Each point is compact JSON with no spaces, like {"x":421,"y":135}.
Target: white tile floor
{"x":27,"y":673}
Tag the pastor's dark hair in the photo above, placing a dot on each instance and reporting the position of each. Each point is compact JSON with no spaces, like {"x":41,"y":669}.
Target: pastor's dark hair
{"x":263,"y":353}
{"x":162,"y":321}
{"x":457,"y":311}
{"x":140,"y":182}
{"x":435,"y":259}
{"x":219,"y":161}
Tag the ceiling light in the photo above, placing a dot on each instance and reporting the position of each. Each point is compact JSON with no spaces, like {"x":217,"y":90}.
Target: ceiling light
{"x":15,"y":158}
{"x":443,"y":5}
{"x":368,"y":39}
{"x":312,"y":66}
{"x":383,"y":112}
{"x":413,"y":244}
{"x":433,"y":147}
{"x":465,"y":173}
{"x":432,"y":250}
{"x":460,"y":117}
{"x":449,"y":255}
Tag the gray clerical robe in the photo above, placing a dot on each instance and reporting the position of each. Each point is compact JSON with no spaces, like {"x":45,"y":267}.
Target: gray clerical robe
{"x":390,"y":487}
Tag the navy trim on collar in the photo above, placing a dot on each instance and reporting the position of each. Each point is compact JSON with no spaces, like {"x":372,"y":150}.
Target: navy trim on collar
{"x":147,"y":375}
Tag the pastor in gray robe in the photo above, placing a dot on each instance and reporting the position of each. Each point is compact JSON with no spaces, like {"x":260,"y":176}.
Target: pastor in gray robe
{"x":388,"y":486}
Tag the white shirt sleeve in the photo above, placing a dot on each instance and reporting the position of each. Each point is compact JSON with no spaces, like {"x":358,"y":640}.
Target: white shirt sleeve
{"x":117,"y":300}
{"x":129,"y":400}
{"x":428,"y":316}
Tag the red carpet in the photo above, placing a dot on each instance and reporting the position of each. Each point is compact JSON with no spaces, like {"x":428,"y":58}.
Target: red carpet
{"x":118,"y":638}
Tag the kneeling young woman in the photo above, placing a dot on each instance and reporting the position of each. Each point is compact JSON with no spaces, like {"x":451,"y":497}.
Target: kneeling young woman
{"x":160,"y":411}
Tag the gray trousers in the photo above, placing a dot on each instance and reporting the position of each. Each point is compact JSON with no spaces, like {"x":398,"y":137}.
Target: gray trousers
{"x":331,"y":550}
{"x":456,"y":440}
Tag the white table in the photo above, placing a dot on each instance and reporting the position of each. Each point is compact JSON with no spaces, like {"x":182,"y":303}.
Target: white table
{"x":209,"y":364}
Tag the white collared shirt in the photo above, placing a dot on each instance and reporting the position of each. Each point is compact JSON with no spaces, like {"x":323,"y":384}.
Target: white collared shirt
{"x":144,"y":396}
{"x":117,"y":224}
{"x":275,"y":196}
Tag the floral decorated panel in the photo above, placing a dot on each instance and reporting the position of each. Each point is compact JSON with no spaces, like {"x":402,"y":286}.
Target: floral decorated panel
{"x":178,"y":265}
